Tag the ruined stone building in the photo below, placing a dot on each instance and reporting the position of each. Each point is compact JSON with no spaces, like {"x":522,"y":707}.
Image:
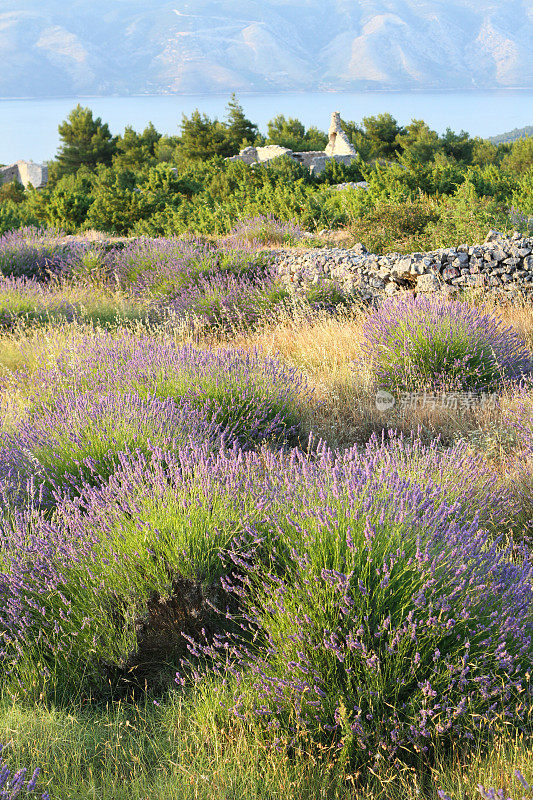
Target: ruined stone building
{"x":25,"y":172}
{"x":339,"y":148}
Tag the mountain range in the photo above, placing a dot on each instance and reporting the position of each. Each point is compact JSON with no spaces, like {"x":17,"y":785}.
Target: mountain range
{"x":102,"y":47}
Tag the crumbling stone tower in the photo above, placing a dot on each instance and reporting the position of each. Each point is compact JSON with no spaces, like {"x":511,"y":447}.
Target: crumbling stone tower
{"x":339,"y":144}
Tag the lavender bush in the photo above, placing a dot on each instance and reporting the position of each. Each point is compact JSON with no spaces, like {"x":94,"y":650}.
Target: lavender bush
{"x":36,"y":253}
{"x":252,"y":397}
{"x":518,"y":424}
{"x":73,"y":586}
{"x":164,"y":267}
{"x":228,"y":299}
{"x":28,"y":300}
{"x":388,"y":625}
{"x":442,"y":345}
{"x":79,"y":437}
{"x":266,"y":229}
{"x":15,"y":785}
{"x":520,"y":221}
{"x":462,"y":475}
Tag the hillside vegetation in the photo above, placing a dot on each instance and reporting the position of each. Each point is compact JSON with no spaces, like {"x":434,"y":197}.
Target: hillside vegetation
{"x":425,"y":191}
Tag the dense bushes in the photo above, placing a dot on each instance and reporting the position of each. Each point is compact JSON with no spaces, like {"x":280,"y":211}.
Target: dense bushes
{"x":213,"y":197}
{"x":441,"y":345}
{"x":148,"y":184}
{"x":372,"y":610}
{"x":35,"y":253}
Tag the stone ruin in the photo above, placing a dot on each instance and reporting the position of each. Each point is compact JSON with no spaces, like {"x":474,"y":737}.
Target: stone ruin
{"x":26,"y":172}
{"x":339,"y":148}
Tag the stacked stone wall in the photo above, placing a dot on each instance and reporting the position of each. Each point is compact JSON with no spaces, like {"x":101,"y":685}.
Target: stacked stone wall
{"x":502,"y":265}
{"x":26,"y":172}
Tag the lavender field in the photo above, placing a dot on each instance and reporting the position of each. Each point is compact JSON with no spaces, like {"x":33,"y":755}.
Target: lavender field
{"x":258,"y":545}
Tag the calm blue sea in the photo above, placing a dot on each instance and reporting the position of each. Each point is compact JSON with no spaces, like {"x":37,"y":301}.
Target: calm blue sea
{"x":28,"y":128}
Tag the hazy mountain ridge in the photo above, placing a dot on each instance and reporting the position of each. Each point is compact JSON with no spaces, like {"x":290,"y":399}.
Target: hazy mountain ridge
{"x":119,"y":46}
{"x":512,"y":136}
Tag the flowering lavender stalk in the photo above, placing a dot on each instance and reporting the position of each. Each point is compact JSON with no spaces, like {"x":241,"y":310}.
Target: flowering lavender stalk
{"x":443,"y":345}
{"x":497,"y":794}
{"x":12,"y":785}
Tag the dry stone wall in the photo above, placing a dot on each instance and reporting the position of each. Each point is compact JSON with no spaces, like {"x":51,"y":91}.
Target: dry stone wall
{"x":501,"y":265}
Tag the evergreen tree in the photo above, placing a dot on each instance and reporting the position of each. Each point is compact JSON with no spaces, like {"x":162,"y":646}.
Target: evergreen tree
{"x":458,"y":145}
{"x":484,"y":152}
{"x":240,"y":130}
{"x":520,"y":157}
{"x":315,"y":139}
{"x":202,"y":137}
{"x":84,"y":141}
{"x":291,"y":133}
{"x":381,"y":133}
{"x":135,"y":150}
{"x":419,"y":143}
{"x":286,"y":132}
{"x":13,"y":191}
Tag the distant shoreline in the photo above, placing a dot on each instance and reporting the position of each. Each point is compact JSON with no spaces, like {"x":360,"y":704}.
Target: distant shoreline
{"x":266,"y":92}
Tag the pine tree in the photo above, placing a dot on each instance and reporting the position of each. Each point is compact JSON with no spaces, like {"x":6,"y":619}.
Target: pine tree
{"x":84,"y":141}
{"x":382,"y":132}
{"x":203,"y":138}
{"x":240,"y":130}
{"x":136,"y":150}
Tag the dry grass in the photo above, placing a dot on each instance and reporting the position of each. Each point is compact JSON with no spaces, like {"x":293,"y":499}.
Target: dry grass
{"x":328,"y":350}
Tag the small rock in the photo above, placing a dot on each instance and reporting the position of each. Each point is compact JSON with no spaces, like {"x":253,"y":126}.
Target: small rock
{"x":449,"y":273}
{"x":428,"y":283}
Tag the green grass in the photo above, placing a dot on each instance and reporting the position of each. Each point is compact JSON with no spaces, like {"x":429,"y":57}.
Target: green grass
{"x":70,"y":304}
{"x":187,"y":748}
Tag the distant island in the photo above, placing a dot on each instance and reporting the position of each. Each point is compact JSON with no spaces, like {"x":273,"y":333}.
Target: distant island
{"x":49,"y":49}
{"x":513,"y":136}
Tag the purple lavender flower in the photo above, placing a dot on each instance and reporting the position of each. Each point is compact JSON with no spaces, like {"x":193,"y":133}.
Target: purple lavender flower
{"x":391,"y":623}
{"x":497,"y":794}
{"x":227,"y":298}
{"x":253,"y":397}
{"x":163,"y":268}
{"x":444,"y":345}
{"x":12,"y":785}
{"x":36,"y":253}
